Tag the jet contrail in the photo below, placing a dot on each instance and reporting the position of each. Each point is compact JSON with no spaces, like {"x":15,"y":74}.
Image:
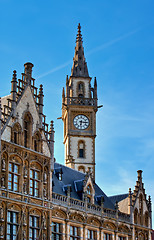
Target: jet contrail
{"x":99,"y":48}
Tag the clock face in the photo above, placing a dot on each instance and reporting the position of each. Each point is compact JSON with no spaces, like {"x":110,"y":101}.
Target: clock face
{"x":81,"y":122}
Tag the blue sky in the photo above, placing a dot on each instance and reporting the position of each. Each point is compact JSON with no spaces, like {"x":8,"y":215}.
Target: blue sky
{"x":119,"y":48}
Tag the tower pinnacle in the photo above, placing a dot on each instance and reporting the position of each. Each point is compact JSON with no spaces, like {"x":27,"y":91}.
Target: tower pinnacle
{"x":79,"y":68}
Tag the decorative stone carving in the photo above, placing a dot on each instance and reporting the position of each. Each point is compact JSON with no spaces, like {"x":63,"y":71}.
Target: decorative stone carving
{"x":24,"y":219}
{"x":44,"y":222}
{"x":3,"y":182}
{"x":45,"y":193}
{"x":1,"y":214}
{"x":44,"y":236}
{"x":45,"y":177}
{"x":3,"y":165}
{"x":25,"y":188}
{"x":25,"y":172}
{"x":24,"y":235}
{"x":1,"y":231}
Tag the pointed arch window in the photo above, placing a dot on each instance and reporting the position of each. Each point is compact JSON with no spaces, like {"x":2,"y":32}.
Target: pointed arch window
{"x":81,"y":169}
{"x":16,"y":133}
{"x":81,"y":90}
{"x":136,"y":216}
{"x":37,"y":142}
{"x":81,"y":149}
{"x":27,"y":126}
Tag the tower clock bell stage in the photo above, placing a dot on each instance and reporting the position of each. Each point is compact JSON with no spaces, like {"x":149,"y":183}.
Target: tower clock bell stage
{"x":79,"y":107}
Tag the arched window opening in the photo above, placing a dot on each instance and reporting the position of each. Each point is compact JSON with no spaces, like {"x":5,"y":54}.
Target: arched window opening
{"x":81,"y":169}
{"x":80,"y":90}
{"x":37,"y":142}
{"x":81,"y":149}
{"x":16,"y":134}
{"x":27,"y":129}
{"x":89,"y":190}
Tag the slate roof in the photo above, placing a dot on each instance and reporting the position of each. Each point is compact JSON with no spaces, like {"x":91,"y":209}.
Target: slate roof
{"x":118,"y":198}
{"x":74,"y":179}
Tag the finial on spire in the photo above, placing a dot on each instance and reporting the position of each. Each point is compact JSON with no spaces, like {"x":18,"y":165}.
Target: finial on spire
{"x":51,"y":126}
{"x":79,"y":68}
{"x":14,"y":89}
{"x":79,"y":35}
{"x":41,"y":90}
{"x":139,"y":175}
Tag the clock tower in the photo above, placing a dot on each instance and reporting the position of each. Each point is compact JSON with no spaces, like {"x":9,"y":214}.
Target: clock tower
{"x":79,"y":107}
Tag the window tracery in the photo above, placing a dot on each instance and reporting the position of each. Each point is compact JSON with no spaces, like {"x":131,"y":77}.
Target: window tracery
{"x":16,"y":134}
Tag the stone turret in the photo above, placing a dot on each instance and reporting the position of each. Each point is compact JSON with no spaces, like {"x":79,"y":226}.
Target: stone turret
{"x":79,"y":68}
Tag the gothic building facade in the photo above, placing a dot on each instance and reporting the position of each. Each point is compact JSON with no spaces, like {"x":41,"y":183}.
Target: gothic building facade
{"x":41,"y":199}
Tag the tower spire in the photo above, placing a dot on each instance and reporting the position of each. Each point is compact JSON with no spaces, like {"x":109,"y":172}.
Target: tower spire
{"x":79,"y":68}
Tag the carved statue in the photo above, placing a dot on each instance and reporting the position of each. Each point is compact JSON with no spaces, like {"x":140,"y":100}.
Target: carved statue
{"x":25,"y":172}
{"x":44,"y":193}
{"x":24,"y":219}
{"x":3,"y":164}
{"x":45,"y":177}
{"x":44,"y":222}
{"x":3,"y":182}
{"x":24,"y":235}
{"x":1,"y":230}
{"x":25,"y":188}
{"x":1,"y":214}
{"x":44,"y":236}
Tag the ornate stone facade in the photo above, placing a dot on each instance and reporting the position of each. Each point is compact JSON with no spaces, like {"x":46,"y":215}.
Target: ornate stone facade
{"x":41,"y":199}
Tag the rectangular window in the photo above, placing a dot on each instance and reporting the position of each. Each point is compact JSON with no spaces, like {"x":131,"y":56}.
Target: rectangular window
{"x":74,"y":233}
{"x":34,"y":182}
{"x":56,"y":231}
{"x":12,"y":225}
{"x":92,"y":235}
{"x":34,"y":228}
{"x":13,"y":177}
{"x":81,"y":153}
{"x":107,"y":236}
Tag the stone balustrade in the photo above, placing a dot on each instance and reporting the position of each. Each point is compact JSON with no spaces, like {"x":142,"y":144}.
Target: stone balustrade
{"x":81,"y":101}
{"x":89,"y":207}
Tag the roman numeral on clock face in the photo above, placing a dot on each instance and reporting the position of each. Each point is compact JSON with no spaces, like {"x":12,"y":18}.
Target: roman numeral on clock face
{"x":81,"y":122}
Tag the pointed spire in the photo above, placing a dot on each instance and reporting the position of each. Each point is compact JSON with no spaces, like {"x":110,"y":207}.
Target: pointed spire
{"x":79,"y":68}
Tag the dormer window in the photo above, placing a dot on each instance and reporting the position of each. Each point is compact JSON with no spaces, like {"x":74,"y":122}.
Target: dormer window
{"x":89,"y":190}
{"x":60,"y":176}
{"x":58,"y":173}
